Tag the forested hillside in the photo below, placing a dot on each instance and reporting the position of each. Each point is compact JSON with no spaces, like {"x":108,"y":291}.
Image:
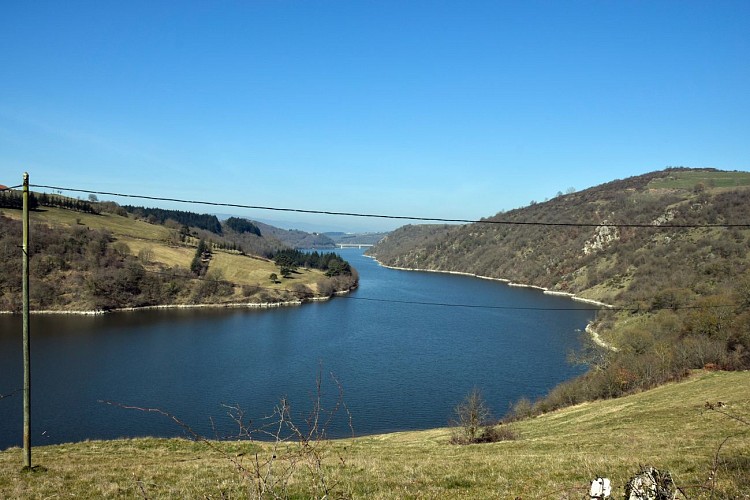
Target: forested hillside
{"x":99,"y":256}
{"x":670,"y":250}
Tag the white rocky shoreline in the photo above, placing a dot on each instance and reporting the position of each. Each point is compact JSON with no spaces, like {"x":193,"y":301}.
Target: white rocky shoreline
{"x":228,"y":305}
{"x":502,"y":280}
{"x":589,"y":328}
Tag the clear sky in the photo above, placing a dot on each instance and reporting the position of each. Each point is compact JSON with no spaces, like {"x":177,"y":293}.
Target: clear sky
{"x":450,"y":109}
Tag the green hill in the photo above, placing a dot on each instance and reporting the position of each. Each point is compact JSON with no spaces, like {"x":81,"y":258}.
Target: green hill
{"x":108,"y":258}
{"x":619,"y":265}
{"x":670,"y":250}
{"x":554,"y":456}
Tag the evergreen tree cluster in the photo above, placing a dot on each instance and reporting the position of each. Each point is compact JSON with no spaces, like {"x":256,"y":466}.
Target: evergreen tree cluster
{"x":198,"y":265}
{"x":330,"y":262}
{"x":202,"y":221}
{"x":242,"y":226}
{"x":53,"y":200}
{"x":226,"y":245}
{"x":223,"y":244}
{"x":14,"y":200}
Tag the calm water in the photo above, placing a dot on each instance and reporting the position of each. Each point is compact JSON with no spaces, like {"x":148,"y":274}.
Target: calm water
{"x":401,"y":366}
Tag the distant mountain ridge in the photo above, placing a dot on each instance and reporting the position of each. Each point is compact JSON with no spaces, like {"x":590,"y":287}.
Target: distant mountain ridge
{"x":356,"y":238}
{"x":295,"y":238}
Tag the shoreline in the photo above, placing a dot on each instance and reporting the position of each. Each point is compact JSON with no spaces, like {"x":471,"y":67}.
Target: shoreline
{"x":229,"y":305}
{"x":501,"y":280}
{"x":589,"y":327}
{"x":598,"y":340}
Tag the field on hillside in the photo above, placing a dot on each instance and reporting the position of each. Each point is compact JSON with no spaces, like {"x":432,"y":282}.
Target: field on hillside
{"x":116,"y":224}
{"x":158,"y":247}
{"x":554,"y":456}
{"x":690,"y":179}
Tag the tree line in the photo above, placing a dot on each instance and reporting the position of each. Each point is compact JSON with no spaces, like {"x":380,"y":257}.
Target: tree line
{"x":240,"y":225}
{"x":330,"y":262}
{"x":14,"y":200}
{"x":160,"y":215}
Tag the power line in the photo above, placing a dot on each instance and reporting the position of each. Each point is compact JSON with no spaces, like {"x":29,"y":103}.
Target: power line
{"x":520,"y":308}
{"x":301,"y":296}
{"x":480,"y":306}
{"x":393,"y":301}
{"x":448,"y":304}
{"x":393,"y":217}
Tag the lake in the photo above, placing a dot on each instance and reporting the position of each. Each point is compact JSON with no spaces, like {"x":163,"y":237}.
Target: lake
{"x":400,"y":364}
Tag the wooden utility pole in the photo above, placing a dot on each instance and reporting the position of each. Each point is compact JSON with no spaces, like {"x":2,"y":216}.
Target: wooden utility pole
{"x":26,"y":349}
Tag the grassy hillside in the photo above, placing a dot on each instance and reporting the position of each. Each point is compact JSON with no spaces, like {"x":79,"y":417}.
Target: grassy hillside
{"x":640,"y":268}
{"x":86,"y":261}
{"x":619,"y":265}
{"x":681,"y":294}
{"x":554,"y":456}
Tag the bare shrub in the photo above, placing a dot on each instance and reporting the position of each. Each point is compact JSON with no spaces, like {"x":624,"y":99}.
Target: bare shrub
{"x":496,"y":433}
{"x":301,"y":291}
{"x":146,"y":255}
{"x":473,"y":425}
{"x":295,"y":460}
{"x":121,"y":248}
{"x":249,"y":290}
{"x":521,"y":409}
{"x":325,"y":287}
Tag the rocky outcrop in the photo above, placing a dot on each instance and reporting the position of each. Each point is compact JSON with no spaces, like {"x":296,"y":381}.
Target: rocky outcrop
{"x":604,"y":236}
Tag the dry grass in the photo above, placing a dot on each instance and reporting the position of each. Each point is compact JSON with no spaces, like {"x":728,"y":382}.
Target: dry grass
{"x":688,"y":179}
{"x":248,"y":270}
{"x":555,"y":456}
{"x":116,"y":224}
{"x":163,"y":254}
{"x":161,"y":241}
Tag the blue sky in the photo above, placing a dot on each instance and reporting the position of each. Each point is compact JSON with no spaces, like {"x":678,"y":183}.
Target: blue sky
{"x":449,"y":109}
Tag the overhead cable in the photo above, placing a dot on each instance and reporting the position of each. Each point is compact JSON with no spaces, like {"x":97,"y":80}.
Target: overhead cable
{"x":393,"y":217}
{"x":454,"y":305}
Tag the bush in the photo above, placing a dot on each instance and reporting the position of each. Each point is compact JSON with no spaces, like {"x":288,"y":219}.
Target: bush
{"x":325,"y":287}
{"x":301,"y":291}
{"x":521,"y":409}
{"x":497,"y":433}
{"x":472,"y":421}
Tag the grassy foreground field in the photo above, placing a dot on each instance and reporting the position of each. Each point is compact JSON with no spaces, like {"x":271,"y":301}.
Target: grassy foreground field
{"x":555,"y":456}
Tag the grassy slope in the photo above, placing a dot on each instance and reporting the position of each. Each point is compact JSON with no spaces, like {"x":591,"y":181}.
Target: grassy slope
{"x":687,"y":180}
{"x":553,"y":257}
{"x":140,"y":235}
{"x":555,"y":457}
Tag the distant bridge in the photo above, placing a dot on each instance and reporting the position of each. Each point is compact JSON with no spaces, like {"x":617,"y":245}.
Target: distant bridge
{"x":353,"y":245}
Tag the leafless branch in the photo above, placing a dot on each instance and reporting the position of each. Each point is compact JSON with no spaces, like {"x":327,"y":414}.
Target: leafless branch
{"x":3,"y":396}
{"x":717,"y":407}
{"x":290,"y":448}
{"x":141,"y":488}
{"x":184,"y":426}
